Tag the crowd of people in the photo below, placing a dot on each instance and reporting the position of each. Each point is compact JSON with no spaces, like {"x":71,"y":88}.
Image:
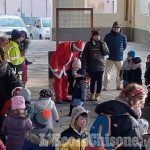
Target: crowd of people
{"x":24,"y":126}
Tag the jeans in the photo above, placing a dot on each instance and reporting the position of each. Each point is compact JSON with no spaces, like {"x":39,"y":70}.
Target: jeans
{"x":96,"y":76}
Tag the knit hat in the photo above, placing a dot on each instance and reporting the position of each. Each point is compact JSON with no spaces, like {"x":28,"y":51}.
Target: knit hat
{"x":25,"y":93}
{"x":143,"y":126}
{"x":78,"y":45}
{"x":136,"y":60}
{"x":131,"y":53}
{"x":17,"y":102}
{"x":78,"y":110}
{"x":95,"y":33}
{"x":42,"y":117}
{"x":76,"y":63}
{"x":116,"y":25}
{"x":45,"y":93}
{"x":16,"y":34}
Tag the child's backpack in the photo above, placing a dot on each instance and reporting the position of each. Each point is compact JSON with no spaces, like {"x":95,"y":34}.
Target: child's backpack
{"x":100,"y":133}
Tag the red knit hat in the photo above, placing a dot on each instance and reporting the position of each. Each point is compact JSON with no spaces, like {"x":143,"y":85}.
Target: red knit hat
{"x":78,"y":45}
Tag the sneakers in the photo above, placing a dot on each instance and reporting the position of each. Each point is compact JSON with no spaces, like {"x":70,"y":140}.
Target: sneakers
{"x":58,"y":102}
{"x":119,"y":88}
{"x":97,"y":96}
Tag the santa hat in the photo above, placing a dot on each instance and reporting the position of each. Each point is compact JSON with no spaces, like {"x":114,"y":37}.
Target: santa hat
{"x":41,"y":118}
{"x":15,"y":91}
{"x":78,"y":45}
{"x":76,"y":63}
{"x":18,"y":102}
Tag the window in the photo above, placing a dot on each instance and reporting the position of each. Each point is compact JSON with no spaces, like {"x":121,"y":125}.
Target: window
{"x":102,"y":6}
{"x":144,"y":7}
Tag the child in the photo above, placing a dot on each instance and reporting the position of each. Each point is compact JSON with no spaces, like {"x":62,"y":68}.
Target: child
{"x":81,"y":84}
{"x":126,"y":68}
{"x":27,"y":96}
{"x":136,"y":71}
{"x":147,"y":78}
{"x":76,"y":134}
{"x":39,"y":138}
{"x":45,"y":102}
{"x":16,"y":123}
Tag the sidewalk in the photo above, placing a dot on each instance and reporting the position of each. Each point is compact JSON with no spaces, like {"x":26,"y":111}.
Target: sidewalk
{"x":38,"y":79}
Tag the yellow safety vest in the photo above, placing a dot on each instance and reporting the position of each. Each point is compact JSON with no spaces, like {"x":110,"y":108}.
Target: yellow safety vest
{"x":12,"y":54}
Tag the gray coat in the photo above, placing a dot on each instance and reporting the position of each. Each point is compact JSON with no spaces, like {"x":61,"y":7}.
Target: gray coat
{"x":14,"y":127}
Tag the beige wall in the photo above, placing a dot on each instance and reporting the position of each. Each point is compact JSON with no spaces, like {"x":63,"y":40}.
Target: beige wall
{"x":141,"y":22}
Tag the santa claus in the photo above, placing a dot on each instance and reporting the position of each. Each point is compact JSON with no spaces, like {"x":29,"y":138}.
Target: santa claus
{"x":59,"y":64}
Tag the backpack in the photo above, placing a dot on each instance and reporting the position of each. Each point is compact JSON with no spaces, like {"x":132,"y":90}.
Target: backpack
{"x":100,"y":133}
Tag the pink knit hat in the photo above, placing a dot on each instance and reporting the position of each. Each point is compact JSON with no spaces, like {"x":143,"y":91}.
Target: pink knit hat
{"x":76,"y":63}
{"x":17,"y":102}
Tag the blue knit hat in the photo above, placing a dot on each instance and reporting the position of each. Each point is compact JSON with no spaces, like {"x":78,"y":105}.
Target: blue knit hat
{"x":131,"y":53}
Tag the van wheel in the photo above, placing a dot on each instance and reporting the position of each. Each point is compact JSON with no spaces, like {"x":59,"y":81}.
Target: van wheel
{"x":40,"y":37}
{"x":31,"y":36}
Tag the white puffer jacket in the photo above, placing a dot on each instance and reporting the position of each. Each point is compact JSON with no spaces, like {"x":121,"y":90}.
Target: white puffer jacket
{"x":47,"y":103}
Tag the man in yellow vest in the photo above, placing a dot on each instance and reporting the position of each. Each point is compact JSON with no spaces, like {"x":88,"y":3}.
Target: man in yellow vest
{"x":12,"y":54}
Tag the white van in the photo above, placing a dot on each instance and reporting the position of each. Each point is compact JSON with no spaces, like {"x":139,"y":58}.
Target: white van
{"x":41,"y":29}
{"x":10,"y":22}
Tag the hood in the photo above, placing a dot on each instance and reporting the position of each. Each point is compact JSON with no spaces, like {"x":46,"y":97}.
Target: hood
{"x":114,"y":107}
{"x":3,"y":68}
{"x":135,"y":66}
{"x":37,"y":135}
{"x":11,"y":114}
{"x":76,"y":112}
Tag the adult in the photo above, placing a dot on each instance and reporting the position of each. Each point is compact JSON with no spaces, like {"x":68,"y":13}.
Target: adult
{"x":117,"y":43}
{"x":3,"y":43}
{"x":123,"y":116}
{"x":24,"y":45}
{"x":93,"y":59}
{"x":59,"y":64}
{"x":8,"y":82}
{"x":12,"y":53}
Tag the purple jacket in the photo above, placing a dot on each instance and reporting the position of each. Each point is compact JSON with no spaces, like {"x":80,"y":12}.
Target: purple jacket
{"x":14,"y":127}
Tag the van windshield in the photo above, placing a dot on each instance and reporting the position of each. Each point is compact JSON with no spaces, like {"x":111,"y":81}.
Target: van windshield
{"x":46,"y":22}
{"x":10,"y":22}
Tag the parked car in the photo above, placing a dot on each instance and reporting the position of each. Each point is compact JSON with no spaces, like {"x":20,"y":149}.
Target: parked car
{"x":10,"y":22}
{"x":41,"y":29}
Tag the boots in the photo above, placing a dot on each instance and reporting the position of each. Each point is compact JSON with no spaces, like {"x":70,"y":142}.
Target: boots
{"x":97,"y":96}
{"x":92,"y":97}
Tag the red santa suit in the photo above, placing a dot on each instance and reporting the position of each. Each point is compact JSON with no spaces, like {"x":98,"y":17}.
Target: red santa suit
{"x":59,"y":64}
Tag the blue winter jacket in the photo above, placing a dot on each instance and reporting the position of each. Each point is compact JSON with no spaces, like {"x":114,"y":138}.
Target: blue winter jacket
{"x":117,"y":43}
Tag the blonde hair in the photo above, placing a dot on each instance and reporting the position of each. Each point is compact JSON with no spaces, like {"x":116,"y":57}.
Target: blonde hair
{"x":132,"y":93}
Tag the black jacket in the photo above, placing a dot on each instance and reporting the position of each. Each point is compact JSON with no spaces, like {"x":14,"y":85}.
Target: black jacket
{"x":147,"y":76}
{"x":92,"y":56}
{"x":8,"y":81}
{"x":121,"y":125}
{"x":136,"y":76}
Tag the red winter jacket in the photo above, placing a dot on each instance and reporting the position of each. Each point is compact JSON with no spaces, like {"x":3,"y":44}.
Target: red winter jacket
{"x":62,"y":57}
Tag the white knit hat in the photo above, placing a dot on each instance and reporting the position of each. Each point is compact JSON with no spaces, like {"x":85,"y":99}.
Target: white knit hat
{"x":76,"y":63}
